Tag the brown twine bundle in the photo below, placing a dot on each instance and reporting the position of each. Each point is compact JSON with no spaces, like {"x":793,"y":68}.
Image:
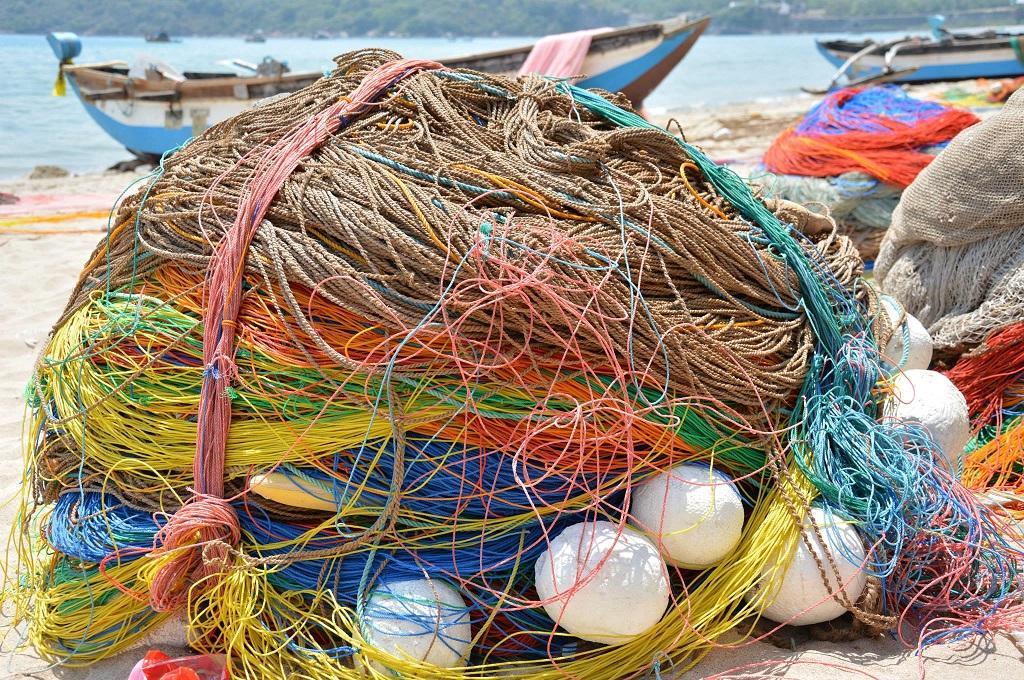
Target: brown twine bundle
{"x":351,"y":227}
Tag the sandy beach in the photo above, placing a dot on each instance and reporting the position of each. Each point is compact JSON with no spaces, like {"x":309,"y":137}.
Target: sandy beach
{"x":45,"y":250}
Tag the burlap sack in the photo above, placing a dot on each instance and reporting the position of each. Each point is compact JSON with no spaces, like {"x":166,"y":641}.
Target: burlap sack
{"x":954,"y":255}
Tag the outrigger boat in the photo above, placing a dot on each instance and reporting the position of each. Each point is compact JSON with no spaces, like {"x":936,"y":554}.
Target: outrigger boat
{"x":151,"y":108}
{"x":923,"y":59}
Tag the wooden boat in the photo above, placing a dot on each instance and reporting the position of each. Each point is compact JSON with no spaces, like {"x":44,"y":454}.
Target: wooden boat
{"x":163,"y":110}
{"x":923,"y":59}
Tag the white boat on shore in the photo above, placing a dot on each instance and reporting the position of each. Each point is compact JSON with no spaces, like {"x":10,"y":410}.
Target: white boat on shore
{"x":941,"y":56}
{"x":150,"y":108}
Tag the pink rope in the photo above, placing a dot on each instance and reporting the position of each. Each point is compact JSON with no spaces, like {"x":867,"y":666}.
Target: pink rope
{"x":203,"y":528}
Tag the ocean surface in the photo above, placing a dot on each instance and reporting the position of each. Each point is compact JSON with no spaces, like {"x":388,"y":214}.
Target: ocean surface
{"x":37,"y":128}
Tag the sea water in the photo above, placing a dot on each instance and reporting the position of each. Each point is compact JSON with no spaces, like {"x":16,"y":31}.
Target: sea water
{"x":37,"y":128}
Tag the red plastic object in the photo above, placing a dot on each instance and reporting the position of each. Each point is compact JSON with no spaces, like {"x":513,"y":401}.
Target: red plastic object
{"x":156,"y":665}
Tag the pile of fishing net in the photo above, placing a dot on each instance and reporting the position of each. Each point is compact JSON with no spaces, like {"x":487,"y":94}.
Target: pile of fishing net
{"x":854,"y":153}
{"x":430,"y":373}
{"x":954,"y":257}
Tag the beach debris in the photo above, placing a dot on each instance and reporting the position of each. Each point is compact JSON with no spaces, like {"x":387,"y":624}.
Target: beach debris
{"x":48,"y":172}
{"x":131,"y":165}
{"x":431,"y":331}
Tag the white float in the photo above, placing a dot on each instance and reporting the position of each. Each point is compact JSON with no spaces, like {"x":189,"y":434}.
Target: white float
{"x":293,"y":490}
{"x":801,"y":586}
{"x":603,"y":583}
{"x":919,"y":355}
{"x":693,"y":512}
{"x":420,"y":619}
{"x":933,"y":402}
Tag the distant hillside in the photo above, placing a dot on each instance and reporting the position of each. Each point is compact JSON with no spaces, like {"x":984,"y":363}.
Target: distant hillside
{"x":429,"y":17}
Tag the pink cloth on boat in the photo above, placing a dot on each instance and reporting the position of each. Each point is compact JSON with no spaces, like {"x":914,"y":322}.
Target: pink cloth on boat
{"x":560,"y":56}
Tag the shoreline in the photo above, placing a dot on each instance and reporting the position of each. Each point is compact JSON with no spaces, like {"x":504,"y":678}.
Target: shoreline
{"x":734,"y":133}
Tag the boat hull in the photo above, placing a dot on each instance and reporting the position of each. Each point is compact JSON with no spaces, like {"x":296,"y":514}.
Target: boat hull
{"x":152,"y":118}
{"x":933,"y":65}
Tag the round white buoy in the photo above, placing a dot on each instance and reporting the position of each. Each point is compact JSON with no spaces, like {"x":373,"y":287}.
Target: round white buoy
{"x":801,"y":586}
{"x":422,"y":619}
{"x":602,"y":583}
{"x":919,"y":347}
{"x":933,"y":402}
{"x":693,"y":512}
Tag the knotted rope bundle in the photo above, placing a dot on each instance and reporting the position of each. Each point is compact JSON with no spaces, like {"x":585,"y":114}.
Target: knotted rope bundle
{"x":465,"y":311}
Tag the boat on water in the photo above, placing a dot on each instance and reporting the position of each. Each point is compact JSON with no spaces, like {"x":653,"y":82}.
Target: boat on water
{"x":256,"y":37}
{"x":150,"y":108}
{"x":941,"y":56}
{"x":161,"y":37}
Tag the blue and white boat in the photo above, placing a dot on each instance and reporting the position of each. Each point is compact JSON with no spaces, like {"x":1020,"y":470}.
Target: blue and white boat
{"x":940,"y":56}
{"x":150,"y":108}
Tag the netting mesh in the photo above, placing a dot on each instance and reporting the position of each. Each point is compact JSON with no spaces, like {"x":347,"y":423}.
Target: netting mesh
{"x":954,"y":255}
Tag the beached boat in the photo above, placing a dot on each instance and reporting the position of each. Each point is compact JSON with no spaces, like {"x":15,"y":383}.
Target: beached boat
{"x":160,"y":111}
{"x":922,"y":59}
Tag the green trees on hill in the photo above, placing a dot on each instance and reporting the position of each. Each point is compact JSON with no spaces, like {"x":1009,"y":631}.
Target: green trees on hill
{"x":408,"y":17}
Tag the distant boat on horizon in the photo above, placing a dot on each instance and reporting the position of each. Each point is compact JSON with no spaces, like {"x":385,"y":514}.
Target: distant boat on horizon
{"x":941,"y":56}
{"x":159,"y":112}
{"x":161,"y":37}
{"x":256,"y":37}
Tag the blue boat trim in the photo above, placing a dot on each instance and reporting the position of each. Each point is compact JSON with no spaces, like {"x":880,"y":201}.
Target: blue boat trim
{"x":1004,"y":68}
{"x":138,"y":139}
{"x":619,"y":78}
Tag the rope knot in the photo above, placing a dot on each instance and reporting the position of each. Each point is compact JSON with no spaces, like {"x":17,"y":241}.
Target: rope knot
{"x":200,"y":537}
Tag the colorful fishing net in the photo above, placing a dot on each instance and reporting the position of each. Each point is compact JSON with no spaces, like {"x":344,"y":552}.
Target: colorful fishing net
{"x":992,"y":379}
{"x":855,"y":151}
{"x":460,"y":312}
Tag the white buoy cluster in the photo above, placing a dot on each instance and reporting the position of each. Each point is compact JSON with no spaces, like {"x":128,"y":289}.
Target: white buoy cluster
{"x":920,"y":396}
{"x":608,"y":583}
